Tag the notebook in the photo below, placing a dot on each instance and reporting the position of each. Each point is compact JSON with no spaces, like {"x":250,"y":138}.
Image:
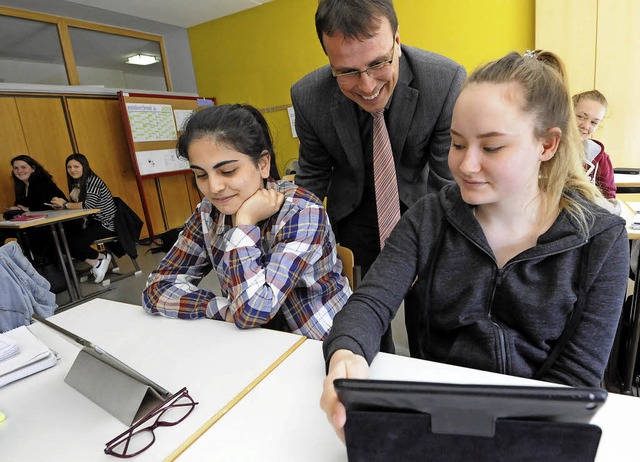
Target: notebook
{"x":15,"y":221}
{"x":33,"y":356}
{"x":8,"y":347}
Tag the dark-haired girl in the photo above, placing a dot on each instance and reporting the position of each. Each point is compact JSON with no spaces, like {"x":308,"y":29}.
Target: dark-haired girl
{"x":33,"y":185}
{"x":88,"y":191}
{"x":34,"y":188}
{"x":269,"y":242}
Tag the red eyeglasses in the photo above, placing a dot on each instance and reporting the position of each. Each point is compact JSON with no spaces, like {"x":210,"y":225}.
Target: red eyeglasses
{"x":140,"y":436}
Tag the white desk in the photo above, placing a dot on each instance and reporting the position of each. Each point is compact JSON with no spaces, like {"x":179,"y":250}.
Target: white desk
{"x":55,"y":220}
{"x":627,"y":183}
{"x":49,"y":420}
{"x":281,"y":419}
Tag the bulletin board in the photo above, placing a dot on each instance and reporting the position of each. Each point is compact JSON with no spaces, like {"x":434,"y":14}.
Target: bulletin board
{"x":153,"y":123}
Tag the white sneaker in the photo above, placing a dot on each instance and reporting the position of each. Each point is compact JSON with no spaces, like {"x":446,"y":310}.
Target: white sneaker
{"x":102,"y":268}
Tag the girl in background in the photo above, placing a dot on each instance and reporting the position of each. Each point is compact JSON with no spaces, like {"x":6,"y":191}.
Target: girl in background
{"x":33,"y":185}
{"x":34,"y":190}
{"x":88,"y":191}
{"x":590,"y":108}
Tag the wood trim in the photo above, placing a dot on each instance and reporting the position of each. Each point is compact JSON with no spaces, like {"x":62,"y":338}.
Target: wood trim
{"x":112,"y":29}
{"x":165,"y":66}
{"x":47,"y":95}
{"x":24,"y":14}
{"x":67,"y":54}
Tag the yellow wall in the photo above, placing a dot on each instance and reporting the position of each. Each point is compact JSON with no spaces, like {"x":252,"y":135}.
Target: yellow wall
{"x":255,"y":56}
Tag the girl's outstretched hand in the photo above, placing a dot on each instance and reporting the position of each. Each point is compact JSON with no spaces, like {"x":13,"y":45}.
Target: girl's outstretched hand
{"x":344,"y":365}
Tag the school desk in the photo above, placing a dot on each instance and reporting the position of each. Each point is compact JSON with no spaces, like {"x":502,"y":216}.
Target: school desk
{"x":55,"y":220}
{"x":47,"y":420}
{"x":281,"y":419}
{"x":627,"y":183}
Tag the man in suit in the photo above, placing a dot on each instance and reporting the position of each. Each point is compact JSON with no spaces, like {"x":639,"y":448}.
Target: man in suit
{"x":369,"y":71}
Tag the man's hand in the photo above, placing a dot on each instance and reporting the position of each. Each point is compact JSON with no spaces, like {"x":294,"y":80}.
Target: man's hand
{"x":344,"y":365}
{"x":260,"y":206}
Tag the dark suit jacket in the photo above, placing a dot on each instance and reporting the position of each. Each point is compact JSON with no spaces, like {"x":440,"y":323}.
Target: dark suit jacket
{"x":419,"y":119}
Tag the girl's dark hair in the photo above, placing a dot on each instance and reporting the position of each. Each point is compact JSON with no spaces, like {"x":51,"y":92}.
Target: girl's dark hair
{"x":39,"y":172}
{"x":237,"y":126}
{"x":86,"y":173}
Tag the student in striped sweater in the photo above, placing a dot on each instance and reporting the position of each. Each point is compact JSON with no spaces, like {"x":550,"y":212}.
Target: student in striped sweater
{"x":88,"y":191}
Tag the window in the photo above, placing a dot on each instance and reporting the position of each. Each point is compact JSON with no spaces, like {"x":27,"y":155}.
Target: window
{"x":30,"y":52}
{"x":101,"y":59}
{"x":45,"y":49}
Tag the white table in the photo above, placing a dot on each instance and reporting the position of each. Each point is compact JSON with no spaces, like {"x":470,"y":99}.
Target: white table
{"x":627,"y":183}
{"x":281,"y":420}
{"x":55,"y":220}
{"x":49,"y":420}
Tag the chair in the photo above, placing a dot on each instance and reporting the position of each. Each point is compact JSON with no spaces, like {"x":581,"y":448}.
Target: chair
{"x":349,"y":269}
{"x":128,"y":227}
{"x":290,"y":178}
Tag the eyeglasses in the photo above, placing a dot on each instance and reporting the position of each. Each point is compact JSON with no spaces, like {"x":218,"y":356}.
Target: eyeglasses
{"x":140,"y":436}
{"x":374,"y":71}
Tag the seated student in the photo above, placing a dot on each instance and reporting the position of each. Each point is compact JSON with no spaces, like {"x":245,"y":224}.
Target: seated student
{"x":34,"y":188}
{"x":88,"y":191}
{"x":269,"y":242}
{"x":515,"y":262}
{"x":590,"y":108}
{"x":33,"y":185}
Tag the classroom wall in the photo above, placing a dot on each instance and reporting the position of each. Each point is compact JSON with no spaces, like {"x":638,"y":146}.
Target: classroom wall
{"x":254,"y":56}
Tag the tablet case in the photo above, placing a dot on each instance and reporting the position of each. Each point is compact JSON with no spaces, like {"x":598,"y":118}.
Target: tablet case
{"x":122,"y":396}
{"x":448,"y":422}
{"x":395,"y":436}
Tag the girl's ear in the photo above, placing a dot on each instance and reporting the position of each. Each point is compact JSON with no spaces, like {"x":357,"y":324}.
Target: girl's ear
{"x":264,"y":164}
{"x":550,"y":143}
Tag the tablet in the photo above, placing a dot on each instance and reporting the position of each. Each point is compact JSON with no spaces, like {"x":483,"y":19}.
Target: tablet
{"x":471,"y":409}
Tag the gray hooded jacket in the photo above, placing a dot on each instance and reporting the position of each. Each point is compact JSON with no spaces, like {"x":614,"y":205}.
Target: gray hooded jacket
{"x":474,"y":314}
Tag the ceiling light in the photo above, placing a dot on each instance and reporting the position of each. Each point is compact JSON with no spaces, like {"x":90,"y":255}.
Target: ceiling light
{"x":142,"y":60}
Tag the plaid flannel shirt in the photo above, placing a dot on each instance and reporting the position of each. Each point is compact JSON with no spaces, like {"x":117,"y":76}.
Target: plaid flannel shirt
{"x":286,"y":263}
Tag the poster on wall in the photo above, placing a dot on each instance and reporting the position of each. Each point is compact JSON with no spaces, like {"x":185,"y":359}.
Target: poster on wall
{"x":151,"y":122}
{"x":160,"y":161}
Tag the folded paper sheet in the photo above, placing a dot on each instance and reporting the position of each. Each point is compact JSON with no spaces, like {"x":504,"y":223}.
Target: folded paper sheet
{"x":33,"y":356}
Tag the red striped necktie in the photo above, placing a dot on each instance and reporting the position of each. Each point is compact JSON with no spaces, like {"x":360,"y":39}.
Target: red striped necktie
{"x":384,"y":175}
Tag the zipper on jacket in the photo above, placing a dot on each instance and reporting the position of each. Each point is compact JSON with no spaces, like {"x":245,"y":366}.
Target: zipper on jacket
{"x":502,"y":357}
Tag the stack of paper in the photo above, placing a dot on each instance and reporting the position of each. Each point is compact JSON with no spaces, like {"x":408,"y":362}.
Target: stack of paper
{"x":32,"y":356}
{"x":8,"y":348}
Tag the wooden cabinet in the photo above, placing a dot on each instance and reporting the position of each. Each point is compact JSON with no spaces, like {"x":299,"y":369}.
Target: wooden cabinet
{"x":50,"y":127}
{"x":35,"y":126}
